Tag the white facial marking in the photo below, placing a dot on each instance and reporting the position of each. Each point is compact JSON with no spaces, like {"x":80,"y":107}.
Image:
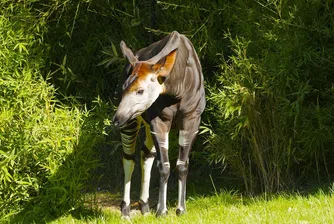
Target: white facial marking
{"x":136,"y":102}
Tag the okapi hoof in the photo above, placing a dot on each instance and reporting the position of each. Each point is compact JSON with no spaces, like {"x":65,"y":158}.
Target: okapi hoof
{"x":180,"y":211}
{"x":161,"y":213}
{"x":144,"y":207}
{"x":125,"y":210}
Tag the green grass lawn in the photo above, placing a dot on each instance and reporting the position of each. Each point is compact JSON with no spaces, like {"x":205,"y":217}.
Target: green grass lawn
{"x":229,"y":208}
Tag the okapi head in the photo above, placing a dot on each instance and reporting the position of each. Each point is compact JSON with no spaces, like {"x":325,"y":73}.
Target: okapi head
{"x":144,"y":84}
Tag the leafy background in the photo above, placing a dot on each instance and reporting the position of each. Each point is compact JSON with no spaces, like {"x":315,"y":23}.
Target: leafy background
{"x":268,"y":67}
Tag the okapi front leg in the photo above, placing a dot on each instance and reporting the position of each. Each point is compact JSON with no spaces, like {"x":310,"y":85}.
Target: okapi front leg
{"x":164,"y":170}
{"x":186,"y":139}
{"x":148,"y":153}
{"x":128,"y":135}
{"x":128,"y":166}
{"x":160,"y":137}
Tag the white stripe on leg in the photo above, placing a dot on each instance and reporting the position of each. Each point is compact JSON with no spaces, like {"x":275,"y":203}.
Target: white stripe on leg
{"x":128,"y":166}
{"x":162,"y":205}
{"x":181,"y":197}
{"x":185,"y":138}
{"x":146,"y":176}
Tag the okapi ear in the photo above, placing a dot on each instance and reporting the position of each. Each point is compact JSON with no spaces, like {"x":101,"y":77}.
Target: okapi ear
{"x":127,"y":53}
{"x":165,"y":65}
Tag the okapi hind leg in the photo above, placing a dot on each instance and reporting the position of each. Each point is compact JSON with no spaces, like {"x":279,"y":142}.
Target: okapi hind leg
{"x":148,"y":154}
{"x":128,"y":135}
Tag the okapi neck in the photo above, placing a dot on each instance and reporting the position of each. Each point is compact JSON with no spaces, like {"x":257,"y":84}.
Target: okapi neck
{"x":172,"y":90}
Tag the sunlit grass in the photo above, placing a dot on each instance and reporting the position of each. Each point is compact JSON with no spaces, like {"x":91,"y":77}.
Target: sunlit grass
{"x":231,"y":208}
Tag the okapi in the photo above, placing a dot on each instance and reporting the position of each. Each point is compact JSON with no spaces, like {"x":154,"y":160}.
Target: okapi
{"x":163,"y":89}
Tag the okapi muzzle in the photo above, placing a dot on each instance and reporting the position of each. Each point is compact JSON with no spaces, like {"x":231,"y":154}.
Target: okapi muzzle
{"x":143,"y":86}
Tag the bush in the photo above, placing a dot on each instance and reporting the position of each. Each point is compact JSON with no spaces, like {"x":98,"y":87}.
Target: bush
{"x":268,"y":67}
{"x":47,"y":154}
{"x":273,"y":95}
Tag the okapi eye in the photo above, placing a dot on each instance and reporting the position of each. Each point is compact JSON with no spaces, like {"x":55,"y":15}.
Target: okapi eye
{"x":140,"y":92}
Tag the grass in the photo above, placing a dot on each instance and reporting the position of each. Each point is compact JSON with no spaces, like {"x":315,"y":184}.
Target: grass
{"x":228,"y":207}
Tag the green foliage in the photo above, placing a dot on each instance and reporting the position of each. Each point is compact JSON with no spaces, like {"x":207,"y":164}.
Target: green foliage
{"x":47,"y":154}
{"x":85,"y":37}
{"x":274,"y":96}
{"x":268,"y":67}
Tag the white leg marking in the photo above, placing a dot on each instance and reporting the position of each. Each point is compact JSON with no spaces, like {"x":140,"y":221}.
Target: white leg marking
{"x":180,"y":162}
{"x":128,"y":169}
{"x":164,"y":142}
{"x":180,"y":197}
{"x":181,"y":194}
{"x":162,"y":205}
{"x":146,"y":166}
{"x":185,"y":138}
{"x":153,"y":133}
{"x":146,"y":176}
